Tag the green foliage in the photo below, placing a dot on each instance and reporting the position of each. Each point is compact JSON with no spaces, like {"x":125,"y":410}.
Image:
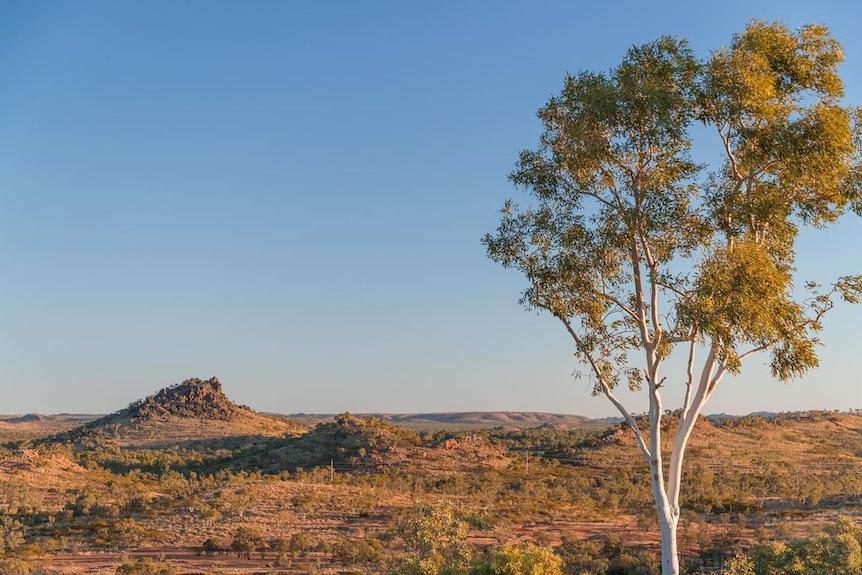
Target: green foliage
{"x":740,"y":565}
{"x":115,"y":533}
{"x":351,"y":551}
{"x":300,"y":544}
{"x":357,"y":442}
{"x":837,"y":551}
{"x":210,"y":547}
{"x":582,"y":557}
{"x":523,"y":559}
{"x":620,"y":203}
{"x":147,"y":566}
{"x":435,"y":539}
{"x":15,"y":567}
{"x":245,"y":541}
{"x":606,"y":555}
{"x":11,"y":535}
{"x":90,"y":503}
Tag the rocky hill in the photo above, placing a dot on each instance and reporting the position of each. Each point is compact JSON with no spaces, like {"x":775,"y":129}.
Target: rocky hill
{"x":191,"y":411}
{"x":195,"y":398}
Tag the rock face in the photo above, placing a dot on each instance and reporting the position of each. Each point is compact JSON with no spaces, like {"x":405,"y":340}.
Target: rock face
{"x":196,"y":398}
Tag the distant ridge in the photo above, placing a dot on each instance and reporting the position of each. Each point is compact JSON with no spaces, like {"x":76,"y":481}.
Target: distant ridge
{"x":471,"y":420}
{"x":27,"y":418}
{"x":467,"y":420}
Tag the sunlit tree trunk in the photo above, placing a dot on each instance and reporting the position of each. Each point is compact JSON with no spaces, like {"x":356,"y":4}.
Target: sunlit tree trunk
{"x":668,"y":514}
{"x":669,"y":553}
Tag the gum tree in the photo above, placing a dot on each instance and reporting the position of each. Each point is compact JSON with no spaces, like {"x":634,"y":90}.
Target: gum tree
{"x":640,"y":252}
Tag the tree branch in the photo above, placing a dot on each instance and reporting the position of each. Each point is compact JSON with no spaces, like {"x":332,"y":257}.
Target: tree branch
{"x":645,"y":451}
{"x":606,"y":390}
{"x":576,"y":191}
{"x":686,"y":423}
{"x":689,"y":384}
{"x":734,"y":164}
{"x":623,"y":307}
{"x":757,"y":349}
{"x":653,"y":272}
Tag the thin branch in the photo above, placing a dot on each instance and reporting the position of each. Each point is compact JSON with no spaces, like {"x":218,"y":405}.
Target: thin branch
{"x":671,"y":288}
{"x":716,"y":379}
{"x":623,"y":307}
{"x":822,"y":311}
{"x":689,"y":384}
{"x":606,"y":389}
{"x":654,"y":286}
{"x":639,"y":299}
{"x":725,"y":138}
{"x":645,"y":451}
{"x":575,"y":191}
{"x":654,"y":298}
{"x":757,"y":349}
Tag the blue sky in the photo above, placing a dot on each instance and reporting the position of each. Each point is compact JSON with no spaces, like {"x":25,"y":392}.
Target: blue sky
{"x":291,"y":196}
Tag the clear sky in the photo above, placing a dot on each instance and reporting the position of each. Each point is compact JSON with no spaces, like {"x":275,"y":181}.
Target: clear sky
{"x":291,"y":196}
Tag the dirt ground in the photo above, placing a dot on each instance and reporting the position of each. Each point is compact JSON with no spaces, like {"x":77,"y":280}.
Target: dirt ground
{"x":186,"y":561}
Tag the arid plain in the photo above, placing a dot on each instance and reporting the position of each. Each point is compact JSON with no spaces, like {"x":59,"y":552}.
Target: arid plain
{"x":187,"y":482}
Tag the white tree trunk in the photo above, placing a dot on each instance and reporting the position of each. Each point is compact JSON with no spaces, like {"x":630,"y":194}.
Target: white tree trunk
{"x":668,"y":514}
{"x":668,"y":522}
{"x":666,"y":507}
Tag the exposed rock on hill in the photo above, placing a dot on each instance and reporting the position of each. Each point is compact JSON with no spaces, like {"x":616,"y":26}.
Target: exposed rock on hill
{"x":191,"y":398}
{"x":193,"y":410}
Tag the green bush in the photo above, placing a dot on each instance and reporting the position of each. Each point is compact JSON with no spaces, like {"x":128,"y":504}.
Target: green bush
{"x":146,"y":566}
{"x":836,"y":551}
{"x":606,"y":556}
{"x":523,"y":559}
{"x":350,"y":551}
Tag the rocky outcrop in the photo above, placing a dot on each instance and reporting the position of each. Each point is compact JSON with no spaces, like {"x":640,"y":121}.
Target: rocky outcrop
{"x":202,"y":399}
{"x":193,"y":410}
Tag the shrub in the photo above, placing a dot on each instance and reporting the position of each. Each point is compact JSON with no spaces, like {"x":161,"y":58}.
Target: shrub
{"x":837,"y":551}
{"x":146,"y":566}
{"x":523,"y":559}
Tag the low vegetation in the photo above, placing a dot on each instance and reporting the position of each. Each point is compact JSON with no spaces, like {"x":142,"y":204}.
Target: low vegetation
{"x":363,"y":495}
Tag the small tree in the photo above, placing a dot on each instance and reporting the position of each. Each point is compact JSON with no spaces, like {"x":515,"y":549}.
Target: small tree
{"x":639,"y":251}
{"x":523,"y":559}
{"x":245,"y":540}
{"x":435,"y":538}
{"x":210,"y":547}
{"x":146,"y":566}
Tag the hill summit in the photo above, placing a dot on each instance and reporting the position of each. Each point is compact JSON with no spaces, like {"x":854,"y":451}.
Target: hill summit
{"x":203,"y":399}
{"x":194,"y":410}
